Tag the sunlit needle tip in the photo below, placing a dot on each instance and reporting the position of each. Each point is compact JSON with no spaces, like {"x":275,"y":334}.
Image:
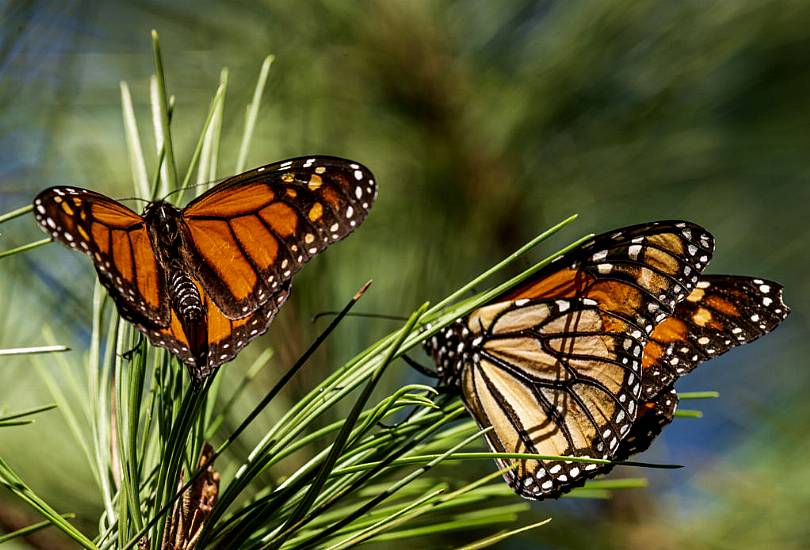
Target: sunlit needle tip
{"x":362,"y":290}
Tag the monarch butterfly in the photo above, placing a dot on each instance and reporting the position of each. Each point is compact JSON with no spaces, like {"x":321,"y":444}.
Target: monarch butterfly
{"x":204,"y":281}
{"x":570,"y":363}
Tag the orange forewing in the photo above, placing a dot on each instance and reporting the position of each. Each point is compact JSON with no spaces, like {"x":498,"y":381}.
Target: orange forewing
{"x":269,"y":222}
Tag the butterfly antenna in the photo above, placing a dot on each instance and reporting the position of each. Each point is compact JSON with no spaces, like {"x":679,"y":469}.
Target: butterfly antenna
{"x":133,"y":199}
{"x":360,"y":314}
{"x":192,"y":186}
{"x":430,"y":373}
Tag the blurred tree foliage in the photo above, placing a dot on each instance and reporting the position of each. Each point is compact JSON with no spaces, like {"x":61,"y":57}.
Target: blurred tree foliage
{"x":484,"y":122}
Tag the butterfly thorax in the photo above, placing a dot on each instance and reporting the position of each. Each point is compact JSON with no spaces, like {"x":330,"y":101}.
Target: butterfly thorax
{"x":164,"y":224}
{"x":451,"y":349}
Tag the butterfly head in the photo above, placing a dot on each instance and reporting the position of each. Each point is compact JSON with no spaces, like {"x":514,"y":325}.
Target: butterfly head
{"x":164,"y":220}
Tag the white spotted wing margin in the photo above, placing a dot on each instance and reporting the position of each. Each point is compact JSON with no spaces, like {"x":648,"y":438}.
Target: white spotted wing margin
{"x":552,"y":377}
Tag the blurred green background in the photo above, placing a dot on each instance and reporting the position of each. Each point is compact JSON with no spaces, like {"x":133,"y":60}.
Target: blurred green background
{"x":484,"y":122}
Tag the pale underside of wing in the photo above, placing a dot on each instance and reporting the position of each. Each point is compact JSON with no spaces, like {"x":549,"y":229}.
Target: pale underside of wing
{"x":554,"y":365}
{"x":249,"y":235}
{"x":557,"y":378}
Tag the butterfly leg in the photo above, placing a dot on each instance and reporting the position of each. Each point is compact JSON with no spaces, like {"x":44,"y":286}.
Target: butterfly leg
{"x":137,"y":348}
{"x":421,"y":369}
{"x":430,"y":373}
{"x":405,"y":420}
{"x":440,"y":402}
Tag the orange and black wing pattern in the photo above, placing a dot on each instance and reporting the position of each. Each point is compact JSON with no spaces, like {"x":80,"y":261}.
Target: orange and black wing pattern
{"x":225,"y":337}
{"x":554,"y":366}
{"x":116,"y":240}
{"x":248,"y":235}
{"x":640,"y":272}
{"x":723,"y":311}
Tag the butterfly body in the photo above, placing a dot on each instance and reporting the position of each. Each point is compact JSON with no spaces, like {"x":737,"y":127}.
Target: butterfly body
{"x":204,"y":280}
{"x":167,"y":234}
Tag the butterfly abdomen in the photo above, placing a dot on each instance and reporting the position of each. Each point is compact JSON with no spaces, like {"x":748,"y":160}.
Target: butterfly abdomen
{"x":188,"y":305}
{"x":185,"y":296}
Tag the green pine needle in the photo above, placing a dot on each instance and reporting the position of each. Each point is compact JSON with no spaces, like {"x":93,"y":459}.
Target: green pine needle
{"x":688,"y":413}
{"x":30,"y":530}
{"x":699,"y":395}
{"x":31,"y":351}
{"x":25,"y":247}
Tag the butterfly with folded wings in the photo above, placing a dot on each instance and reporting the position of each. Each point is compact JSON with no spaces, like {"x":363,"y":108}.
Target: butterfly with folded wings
{"x":205,"y":280}
{"x":580,"y":359}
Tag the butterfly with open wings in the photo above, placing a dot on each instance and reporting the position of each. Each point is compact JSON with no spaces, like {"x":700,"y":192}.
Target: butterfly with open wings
{"x":580,"y":359}
{"x":204,"y":281}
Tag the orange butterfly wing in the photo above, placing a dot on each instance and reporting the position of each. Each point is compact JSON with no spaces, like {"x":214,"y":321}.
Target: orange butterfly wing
{"x":657,"y":263}
{"x":722,"y":312}
{"x":116,"y":240}
{"x":247,"y":236}
{"x":225,"y":337}
{"x":240,"y":244}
